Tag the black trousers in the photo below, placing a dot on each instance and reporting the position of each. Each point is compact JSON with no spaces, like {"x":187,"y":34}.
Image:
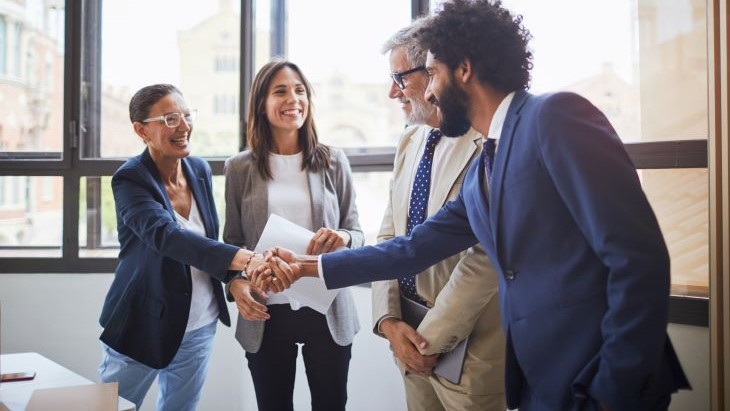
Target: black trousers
{"x":273,"y":367}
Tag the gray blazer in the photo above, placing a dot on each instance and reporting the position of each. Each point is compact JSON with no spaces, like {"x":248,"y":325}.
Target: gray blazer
{"x":333,"y":206}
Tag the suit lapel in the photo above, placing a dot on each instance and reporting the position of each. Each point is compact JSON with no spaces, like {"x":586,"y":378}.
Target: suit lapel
{"x":500,"y":161}
{"x":463,"y":153}
{"x":259,"y":202}
{"x":147,"y":161}
{"x":200,"y":194}
{"x":403,"y":179}
{"x":316,"y":191}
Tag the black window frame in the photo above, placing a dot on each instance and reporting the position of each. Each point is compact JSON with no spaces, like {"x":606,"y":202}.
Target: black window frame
{"x":80,"y":154}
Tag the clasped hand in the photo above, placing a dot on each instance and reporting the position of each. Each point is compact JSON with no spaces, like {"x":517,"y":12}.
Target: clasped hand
{"x":270,"y":272}
{"x":276,"y":271}
{"x":281,"y":268}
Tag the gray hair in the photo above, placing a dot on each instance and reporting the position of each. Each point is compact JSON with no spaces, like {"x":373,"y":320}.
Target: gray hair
{"x":406,"y":38}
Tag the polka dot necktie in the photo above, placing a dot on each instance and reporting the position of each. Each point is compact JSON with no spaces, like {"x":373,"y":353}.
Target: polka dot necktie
{"x":418,"y":205}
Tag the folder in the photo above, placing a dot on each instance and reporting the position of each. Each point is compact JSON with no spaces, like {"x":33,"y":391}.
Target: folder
{"x":97,"y":397}
{"x":450,"y":364}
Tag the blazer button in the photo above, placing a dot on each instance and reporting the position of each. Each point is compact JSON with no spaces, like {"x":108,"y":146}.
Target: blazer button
{"x":510,"y":274}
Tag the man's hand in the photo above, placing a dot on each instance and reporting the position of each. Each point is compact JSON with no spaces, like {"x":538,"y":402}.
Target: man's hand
{"x":250,"y":309}
{"x":405,"y":343}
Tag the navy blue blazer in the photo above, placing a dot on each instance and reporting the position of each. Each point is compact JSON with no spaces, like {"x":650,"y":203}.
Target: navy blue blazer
{"x":584,"y":286}
{"x":146,"y":309}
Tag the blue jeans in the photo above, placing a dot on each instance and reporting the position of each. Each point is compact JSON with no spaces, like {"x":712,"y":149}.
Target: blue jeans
{"x":180,"y":382}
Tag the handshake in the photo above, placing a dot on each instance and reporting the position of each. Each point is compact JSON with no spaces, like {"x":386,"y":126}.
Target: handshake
{"x":277,"y":269}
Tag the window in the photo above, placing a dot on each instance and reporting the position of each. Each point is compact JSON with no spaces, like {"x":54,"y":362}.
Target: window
{"x":3,"y":45}
{"x":223,"y":64}
{"x":18,"y":48}
{"x":349,"y":75}
{"x":32,"y":102}
{"x":644,"y":64}
{"x":30,"y":209}
{"x":225,"y":104}
{"x":67,"y":129}
{"x":184,"y":49}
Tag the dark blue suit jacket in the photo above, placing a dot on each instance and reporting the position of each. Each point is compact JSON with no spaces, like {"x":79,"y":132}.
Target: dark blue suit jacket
{"x":147,"y":306}
{"x":585,"y":272}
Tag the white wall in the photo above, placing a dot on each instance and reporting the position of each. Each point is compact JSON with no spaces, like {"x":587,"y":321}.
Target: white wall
{"x":56,"y":315}
{"x":693,"y":349}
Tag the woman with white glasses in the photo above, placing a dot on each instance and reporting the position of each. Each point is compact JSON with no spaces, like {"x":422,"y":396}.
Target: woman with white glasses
{"x":161,"y":311}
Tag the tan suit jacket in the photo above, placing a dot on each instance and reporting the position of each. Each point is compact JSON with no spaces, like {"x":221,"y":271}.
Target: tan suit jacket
{"x":461,"y":290}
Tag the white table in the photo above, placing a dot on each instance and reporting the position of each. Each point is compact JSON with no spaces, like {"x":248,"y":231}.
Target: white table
{"x":48,"y":374}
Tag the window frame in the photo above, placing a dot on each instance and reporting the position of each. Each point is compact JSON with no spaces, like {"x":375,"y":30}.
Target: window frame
{"x":79,"y":156}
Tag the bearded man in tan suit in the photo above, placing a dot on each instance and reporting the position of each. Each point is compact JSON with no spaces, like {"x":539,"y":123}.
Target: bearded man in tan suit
{"x":460,"y":291}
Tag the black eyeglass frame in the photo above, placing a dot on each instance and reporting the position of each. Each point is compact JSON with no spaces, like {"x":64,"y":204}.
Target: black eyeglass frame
{"x":398,"y":77}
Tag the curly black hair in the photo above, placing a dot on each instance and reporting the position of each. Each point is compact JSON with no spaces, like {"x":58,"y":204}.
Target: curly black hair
{"x":486,"y":34}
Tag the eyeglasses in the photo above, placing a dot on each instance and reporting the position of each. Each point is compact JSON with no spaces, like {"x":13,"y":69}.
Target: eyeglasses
{"x":172,"y":120}
{"x":398,"y":77}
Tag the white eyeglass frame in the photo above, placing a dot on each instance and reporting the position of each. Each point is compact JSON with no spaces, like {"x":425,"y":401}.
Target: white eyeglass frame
{"x":191,"y":114}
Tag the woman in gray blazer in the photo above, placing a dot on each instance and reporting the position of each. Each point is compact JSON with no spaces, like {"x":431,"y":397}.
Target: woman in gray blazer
{"x":286,"y":171}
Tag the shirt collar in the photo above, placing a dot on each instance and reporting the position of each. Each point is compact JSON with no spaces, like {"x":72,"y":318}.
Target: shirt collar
{"x":443,"y":142}
{"x":495,"y":127}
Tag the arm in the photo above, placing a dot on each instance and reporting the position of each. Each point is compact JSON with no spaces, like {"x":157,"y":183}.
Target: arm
{"x":240,"y":289}
{"x":139,"y":206}
{"x":598,"y":184}
{"x":441,"y":235}
{"x":404,"y":341}
{"x":445,"y":233}
{"x":233,"y":228}
{"x":472,"y":285}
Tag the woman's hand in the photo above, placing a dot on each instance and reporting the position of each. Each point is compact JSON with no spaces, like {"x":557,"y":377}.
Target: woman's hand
{"x":326,"y":240}
{"x":282,"y":268}
{"x":262,"y":276}
{"x":248,"y":307}
{"x":256,"y":261}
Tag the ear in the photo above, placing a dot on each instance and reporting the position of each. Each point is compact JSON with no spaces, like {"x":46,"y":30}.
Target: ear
{"x":464,"y":71}
{"x":140,"y":130}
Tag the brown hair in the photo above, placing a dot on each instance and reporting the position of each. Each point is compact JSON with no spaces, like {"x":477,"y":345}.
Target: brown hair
{"x":146,"y":97}
{"x":315,"y":156}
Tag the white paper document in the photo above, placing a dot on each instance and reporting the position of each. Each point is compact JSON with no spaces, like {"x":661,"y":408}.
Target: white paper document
{"x":309,"y":292}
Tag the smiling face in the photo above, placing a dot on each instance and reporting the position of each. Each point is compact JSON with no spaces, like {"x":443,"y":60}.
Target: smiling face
{"x":452,"y":101}
{"x":287,"y":105}
{"x":164,"y":142}
{"x":415,"y":107}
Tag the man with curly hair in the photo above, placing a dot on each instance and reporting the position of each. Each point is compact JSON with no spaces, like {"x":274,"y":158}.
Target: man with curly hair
{"x":557,"y":205}
{"x":585,"y":270}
